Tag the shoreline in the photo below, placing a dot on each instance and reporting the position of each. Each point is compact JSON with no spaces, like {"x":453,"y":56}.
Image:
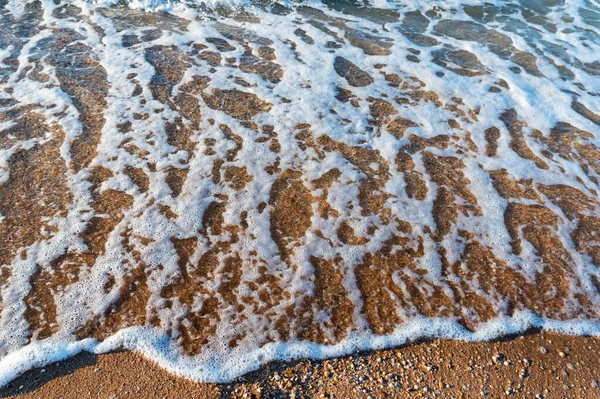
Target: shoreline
{"x":539,"y":364}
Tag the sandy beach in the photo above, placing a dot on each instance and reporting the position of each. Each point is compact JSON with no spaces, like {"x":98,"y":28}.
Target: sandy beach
{"x":539,"y":365}
{"x":221,"y":187}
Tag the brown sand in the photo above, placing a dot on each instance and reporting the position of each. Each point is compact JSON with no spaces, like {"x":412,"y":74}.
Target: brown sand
{"x":540,"y":365}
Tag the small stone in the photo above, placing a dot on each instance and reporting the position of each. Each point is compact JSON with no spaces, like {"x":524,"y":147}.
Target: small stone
{"x":524,"y":374}
{"x":499,"y":357}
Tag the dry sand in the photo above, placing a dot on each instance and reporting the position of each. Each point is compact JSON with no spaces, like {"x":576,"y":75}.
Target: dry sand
{"x":540,"y":365}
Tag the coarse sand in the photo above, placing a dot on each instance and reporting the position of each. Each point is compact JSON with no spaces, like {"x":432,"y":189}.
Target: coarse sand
{"x":538,"y":365}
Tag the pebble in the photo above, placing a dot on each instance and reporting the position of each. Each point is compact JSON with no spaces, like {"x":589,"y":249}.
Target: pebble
{"x":499,"y":357}
{"x":524,"y":374}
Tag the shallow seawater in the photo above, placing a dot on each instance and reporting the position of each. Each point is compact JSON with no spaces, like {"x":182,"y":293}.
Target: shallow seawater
{"x":221,"y":185}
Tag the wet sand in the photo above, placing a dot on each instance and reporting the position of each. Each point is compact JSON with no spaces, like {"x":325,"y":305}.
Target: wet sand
{"x":539,"y":365}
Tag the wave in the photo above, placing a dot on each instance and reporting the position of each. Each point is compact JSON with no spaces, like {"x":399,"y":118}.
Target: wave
{"x":167,"y":5}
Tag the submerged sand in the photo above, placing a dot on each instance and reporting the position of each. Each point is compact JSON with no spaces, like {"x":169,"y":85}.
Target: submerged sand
{"x":539,"y":365}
